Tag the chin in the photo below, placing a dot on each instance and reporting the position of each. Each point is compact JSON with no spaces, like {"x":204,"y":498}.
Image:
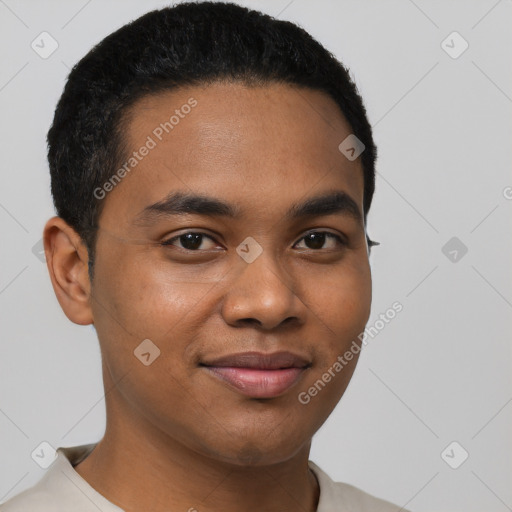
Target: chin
{"x":256,"y":452}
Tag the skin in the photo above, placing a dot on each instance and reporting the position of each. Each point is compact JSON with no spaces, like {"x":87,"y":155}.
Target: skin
{"x":176,"y":436}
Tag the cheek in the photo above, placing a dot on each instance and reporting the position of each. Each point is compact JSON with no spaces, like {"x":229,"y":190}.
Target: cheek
{"x":342,"y":297}
{"x":135,"y":303}
{"x":145,"y":301}
{"x":342,"y":308}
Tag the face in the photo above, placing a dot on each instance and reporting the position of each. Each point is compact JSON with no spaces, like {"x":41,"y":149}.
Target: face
{"x":223,"y":285}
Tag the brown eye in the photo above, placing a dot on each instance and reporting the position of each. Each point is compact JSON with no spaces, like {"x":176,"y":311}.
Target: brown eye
{"x":190,"y":241}
{"x":315,"y":240}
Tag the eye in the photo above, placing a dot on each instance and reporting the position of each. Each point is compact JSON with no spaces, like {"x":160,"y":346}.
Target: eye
{"x":316,"y":239}
{"x":190,"y":241}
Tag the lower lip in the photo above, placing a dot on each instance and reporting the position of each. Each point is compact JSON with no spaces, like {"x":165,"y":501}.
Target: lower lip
{"x":258,"y":383}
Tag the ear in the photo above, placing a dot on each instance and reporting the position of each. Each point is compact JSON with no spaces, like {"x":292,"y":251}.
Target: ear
{"x":67,"y":260}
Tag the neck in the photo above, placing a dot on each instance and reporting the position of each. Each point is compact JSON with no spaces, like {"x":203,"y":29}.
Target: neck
{"x":137,"y":466}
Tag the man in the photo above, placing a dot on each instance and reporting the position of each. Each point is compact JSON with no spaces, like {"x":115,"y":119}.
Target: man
{"x":212,"y":170}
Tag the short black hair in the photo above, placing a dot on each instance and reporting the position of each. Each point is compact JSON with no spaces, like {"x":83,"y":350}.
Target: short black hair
{"x":191,"y":43}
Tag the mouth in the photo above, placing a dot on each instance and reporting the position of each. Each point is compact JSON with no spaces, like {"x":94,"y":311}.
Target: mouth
{"x":259,"y":375}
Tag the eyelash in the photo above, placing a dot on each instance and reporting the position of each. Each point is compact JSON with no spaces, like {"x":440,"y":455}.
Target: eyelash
{"x":333,"y":235}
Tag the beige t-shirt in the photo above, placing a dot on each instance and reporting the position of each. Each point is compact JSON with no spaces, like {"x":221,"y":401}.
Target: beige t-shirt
{"x":62,"y":489}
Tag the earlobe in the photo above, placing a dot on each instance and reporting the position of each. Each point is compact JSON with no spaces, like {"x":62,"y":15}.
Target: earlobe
{"x":67,"y":261}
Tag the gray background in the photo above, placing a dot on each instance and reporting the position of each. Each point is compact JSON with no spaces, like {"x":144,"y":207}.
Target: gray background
{"x":439,"y":372}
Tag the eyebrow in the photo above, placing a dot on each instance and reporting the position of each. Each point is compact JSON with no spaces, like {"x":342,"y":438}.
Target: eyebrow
{"x":184,"y":203}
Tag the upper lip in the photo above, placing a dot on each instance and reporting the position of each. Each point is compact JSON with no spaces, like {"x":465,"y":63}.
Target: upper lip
{"x":261,"y":361}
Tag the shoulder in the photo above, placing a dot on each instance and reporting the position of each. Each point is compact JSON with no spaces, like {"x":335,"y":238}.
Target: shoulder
{"x":339,"y":496}
{"x":59,"y":490}
{"x":361,"y":501}
{"x":37,"y":498}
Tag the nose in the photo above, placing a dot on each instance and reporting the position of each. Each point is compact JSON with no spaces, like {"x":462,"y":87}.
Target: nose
{"x":263,"y":293}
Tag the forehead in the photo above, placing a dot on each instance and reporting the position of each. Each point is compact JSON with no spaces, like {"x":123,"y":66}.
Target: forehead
{"x":255,"y":147}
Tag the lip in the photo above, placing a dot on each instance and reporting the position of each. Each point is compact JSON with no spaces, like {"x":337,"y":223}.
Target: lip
{"x":259,"y":375}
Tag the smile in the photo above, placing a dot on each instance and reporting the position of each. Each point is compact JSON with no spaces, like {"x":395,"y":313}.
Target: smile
{"x":259,"y":375}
